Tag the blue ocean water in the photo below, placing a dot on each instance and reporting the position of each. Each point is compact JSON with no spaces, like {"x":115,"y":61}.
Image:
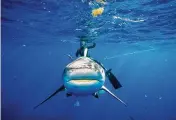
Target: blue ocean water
{"x":136,"y":38}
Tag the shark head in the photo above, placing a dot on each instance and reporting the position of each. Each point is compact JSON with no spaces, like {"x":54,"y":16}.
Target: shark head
{"x":83,"y":76}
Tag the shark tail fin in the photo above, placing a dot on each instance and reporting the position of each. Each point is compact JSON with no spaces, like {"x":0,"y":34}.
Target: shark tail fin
{"x":105,"y":89}
{"x":52,"y":95}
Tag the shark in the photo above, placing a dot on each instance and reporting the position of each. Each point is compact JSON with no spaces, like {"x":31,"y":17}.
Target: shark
{"x":85,"y":76}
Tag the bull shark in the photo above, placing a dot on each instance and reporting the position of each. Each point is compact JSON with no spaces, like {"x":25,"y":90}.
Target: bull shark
{"x":83,"y":77}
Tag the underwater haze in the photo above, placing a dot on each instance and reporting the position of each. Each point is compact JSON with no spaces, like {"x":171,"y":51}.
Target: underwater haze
{"x":135,"y":38}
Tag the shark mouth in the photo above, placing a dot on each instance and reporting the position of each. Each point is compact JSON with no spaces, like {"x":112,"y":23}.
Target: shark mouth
{"x":83,"y":82}
{"x":83,"y":86}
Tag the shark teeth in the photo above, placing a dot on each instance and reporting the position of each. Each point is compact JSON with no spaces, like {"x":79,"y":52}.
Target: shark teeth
{"x":83,"y":82}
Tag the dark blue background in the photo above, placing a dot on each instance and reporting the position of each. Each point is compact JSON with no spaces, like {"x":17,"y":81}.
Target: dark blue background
{"x":135,"y":38}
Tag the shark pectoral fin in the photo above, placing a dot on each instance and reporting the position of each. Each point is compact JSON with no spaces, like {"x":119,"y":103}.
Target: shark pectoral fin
{"x":57,"y":91}
{"x":116,"y":84}
{"x":105,"y":89}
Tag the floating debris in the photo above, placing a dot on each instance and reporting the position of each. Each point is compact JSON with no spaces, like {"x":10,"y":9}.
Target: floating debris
{"x":97,"y":12}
